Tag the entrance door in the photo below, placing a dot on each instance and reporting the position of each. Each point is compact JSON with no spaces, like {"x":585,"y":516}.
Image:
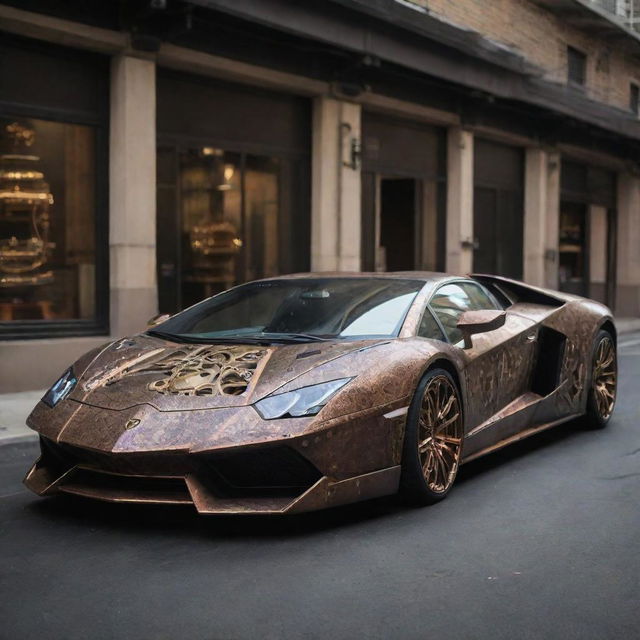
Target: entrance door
{"x":587,"y":232}
{"x":586,"y":249}
{"x":498,"y":232}
{"x":498,"y":209}
{"x":398,"y":224}
{"x":403,"y":194}
{"x":485,"y":254}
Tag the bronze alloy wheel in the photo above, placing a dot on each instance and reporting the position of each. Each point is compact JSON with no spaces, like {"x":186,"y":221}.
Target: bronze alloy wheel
{"x":440,"y":434}
{"x":604,"y":377}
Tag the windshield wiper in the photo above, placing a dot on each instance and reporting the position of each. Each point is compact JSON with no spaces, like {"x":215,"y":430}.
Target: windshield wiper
{"x":181,"y":338}
{"x":297,"y":337}
{"x":263,"y":339}
{"x":165,"y":336}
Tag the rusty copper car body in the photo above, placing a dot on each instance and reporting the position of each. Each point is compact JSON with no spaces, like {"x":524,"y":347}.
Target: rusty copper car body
{"x":154,"y":421}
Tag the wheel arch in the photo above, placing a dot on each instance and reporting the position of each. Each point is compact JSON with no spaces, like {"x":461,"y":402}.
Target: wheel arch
{"x":448,"y":366}
{"x":442,"y":362}
{"x":610,"y":327}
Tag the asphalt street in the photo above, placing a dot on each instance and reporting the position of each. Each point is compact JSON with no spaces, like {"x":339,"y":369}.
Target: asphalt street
{"x":538,"y":541}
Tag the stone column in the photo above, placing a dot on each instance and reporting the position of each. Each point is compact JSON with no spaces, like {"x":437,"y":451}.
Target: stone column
{"x":459,"y":259}
{"x":541,"y":217}
{"x":628,"y":249}
{"x":597,"y":252}
{"x":132,"y":194}
{"x":335,"y":200}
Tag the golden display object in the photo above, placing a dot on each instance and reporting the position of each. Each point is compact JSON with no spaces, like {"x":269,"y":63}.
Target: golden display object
{"x":25,"y":200}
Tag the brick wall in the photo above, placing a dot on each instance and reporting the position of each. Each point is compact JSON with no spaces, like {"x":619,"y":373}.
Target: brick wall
{"x":542,"y":38}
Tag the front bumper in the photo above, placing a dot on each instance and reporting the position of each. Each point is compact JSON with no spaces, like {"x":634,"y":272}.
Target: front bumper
{"x":219,"y":460}
{"x":267,"y":480}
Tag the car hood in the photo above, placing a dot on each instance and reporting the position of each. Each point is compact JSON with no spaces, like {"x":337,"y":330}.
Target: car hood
{"x":177,"y":377}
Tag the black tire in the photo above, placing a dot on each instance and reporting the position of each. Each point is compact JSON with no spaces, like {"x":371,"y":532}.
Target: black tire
{"x":414,"y":485}
{"x":597,"y":416}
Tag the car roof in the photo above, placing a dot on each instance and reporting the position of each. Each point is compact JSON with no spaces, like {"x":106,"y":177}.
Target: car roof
{"x":425,"y":276}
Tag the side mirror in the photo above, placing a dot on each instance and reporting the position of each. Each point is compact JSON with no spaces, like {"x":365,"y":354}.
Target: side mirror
{"x":157,"y":319}
{"x":471,"y":322}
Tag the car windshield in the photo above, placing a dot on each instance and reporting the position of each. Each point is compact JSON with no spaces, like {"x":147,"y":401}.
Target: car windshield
{"x":297,"y":310}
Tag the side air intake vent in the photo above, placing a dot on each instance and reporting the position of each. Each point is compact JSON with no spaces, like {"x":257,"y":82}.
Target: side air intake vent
{"x":546,"y":374}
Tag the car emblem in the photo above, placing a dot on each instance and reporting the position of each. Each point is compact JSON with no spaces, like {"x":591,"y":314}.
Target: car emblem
{"x":131,"y":424}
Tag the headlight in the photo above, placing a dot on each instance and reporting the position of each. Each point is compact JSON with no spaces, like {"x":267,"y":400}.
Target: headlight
{"x":60,"y":389}
{"x":306,"y":401}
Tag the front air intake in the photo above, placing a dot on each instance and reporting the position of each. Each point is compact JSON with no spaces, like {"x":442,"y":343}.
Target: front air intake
{"x":274,"y":469}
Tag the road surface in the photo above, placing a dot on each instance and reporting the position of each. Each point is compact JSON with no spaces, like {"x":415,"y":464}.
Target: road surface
{"x":538,"y":541}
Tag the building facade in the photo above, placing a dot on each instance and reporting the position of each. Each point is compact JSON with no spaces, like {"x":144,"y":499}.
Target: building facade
{"x":155,"y":152}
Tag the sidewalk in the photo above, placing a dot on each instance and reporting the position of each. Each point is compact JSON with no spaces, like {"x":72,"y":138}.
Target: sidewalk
{"x":15,"y":407}
{"x":627,"y":325}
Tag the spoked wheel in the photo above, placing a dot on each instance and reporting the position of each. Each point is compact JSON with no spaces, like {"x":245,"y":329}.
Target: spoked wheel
{"x":604,"y":380}
{"x":433,"y":439}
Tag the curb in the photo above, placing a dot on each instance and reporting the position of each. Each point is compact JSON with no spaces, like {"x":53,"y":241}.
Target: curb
{"x":18,"y":439}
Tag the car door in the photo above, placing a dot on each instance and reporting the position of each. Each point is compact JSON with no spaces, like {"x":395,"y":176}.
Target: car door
{"x":498,"y":365}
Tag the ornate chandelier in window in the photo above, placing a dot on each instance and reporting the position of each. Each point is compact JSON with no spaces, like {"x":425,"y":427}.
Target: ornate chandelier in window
{"x":25,"y":201}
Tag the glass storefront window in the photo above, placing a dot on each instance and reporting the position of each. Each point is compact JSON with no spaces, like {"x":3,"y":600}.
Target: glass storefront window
{"x":262,"y":202}
{"x":572,"y":248}
{"x":47,"y":221}
{"x":229,"y":205}
{"x":211,"y":221}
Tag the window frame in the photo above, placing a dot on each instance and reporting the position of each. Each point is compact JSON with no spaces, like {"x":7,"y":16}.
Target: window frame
{"x":429,"y":308}
{"x":73,"y":327}
{"x":580,"y":55}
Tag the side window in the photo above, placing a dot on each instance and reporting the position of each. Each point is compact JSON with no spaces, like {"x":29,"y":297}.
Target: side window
{"x":480,"y":298}
{"x":429,"y":328}
{"x":451,"y":300}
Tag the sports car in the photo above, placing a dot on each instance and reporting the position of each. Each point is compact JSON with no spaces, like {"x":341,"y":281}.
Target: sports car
{"x":302,"y":392}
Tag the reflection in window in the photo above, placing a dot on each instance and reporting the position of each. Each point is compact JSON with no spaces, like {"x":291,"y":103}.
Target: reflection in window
{"x":449,"y":303}
{"x":47,"y":191}
{"x":384,"y":318}
{"x":429,"y":328}
{"x":344,"y":307}
{"x":211,"y":221}
{"x":229,"y":220}
{"x":451,"y":300}
{"x":572,"y":248}
{"x":261,"y":236}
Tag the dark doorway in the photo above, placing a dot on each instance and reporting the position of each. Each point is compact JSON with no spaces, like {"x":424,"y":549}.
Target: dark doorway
{"x":484,"y":229}
{"x":587,"y":231}
{"x":498,"y":231}
{"x":398,"y":223}
{"x":403,"y":194}
{"x":586,"y":249}
{"x":498,"y":209}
